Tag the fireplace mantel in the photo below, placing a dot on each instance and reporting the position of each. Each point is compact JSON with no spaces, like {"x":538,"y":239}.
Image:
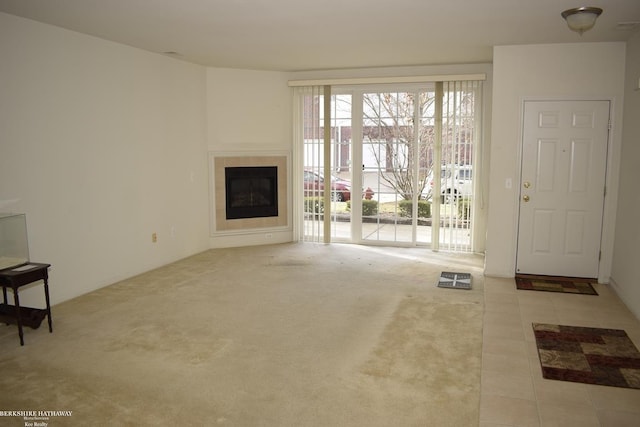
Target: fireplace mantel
{"x":220,"y":162}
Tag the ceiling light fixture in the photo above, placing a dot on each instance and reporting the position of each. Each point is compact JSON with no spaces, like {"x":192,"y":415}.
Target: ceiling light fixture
{"x":581,"y":19}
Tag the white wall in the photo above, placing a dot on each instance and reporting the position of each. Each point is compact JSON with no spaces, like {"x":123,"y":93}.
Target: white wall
{"x":626,"y":259}
{"x":249,"y":112}
{"x":558,"y":71}
{"x":101,"y":146}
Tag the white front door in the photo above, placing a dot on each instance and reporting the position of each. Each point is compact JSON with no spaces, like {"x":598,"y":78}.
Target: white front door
{"x":562,"y":187}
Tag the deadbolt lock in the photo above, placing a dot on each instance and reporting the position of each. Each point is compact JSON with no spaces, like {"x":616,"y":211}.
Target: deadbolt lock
{"x":527,"y":184}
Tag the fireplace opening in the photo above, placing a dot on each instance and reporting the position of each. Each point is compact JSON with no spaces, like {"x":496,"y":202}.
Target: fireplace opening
{"x":251,"y":192}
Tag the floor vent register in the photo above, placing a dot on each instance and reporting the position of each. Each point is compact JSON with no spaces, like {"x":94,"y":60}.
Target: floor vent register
{"x":454,"y":280}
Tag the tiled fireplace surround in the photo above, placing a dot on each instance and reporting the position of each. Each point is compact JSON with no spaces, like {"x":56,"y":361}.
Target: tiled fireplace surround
{"x":220,"y":162}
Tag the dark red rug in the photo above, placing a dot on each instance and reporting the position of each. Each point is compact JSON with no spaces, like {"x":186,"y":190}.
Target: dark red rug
{"x":588,"y":355}
{"x":569,"y":285}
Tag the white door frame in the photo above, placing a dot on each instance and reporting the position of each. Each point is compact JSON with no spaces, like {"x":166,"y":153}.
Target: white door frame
{"x":611,"y":183}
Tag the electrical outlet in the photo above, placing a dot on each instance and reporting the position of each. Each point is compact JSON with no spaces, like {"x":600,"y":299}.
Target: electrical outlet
{"x":154,"y":237}
{"x":268,"y":236}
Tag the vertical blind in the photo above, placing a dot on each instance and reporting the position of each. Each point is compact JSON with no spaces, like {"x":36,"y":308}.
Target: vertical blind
{"x":309,"y":155}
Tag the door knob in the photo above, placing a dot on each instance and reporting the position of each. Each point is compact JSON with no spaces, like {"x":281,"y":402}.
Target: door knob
{"x":525,"y":198}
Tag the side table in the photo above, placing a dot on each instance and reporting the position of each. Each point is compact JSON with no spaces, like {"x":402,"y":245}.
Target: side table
{"x":14,"y":278}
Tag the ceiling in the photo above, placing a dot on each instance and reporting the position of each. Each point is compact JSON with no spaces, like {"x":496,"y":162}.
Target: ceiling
{"x":297,"y":35}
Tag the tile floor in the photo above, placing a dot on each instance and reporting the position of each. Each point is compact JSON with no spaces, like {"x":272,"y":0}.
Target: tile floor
{"x":513,"y":392}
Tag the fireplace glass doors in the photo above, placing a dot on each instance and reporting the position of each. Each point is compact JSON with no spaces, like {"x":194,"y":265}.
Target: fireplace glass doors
{"x":251,"y":192}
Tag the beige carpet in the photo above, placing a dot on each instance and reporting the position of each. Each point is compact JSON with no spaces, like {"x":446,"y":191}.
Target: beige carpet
{"x":283,"y":335}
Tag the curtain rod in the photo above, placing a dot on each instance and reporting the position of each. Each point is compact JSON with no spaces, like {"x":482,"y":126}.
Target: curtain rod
{"x":384,"y":80}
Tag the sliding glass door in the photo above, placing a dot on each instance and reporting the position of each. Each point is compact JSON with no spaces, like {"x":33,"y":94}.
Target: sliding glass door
{"x":401,"y":164}
{"x":397,"y":151}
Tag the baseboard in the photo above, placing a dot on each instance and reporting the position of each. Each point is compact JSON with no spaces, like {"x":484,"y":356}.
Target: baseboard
{"x":623,"y":297}
{"x":255,"y":238}
{"x":499,"y":274}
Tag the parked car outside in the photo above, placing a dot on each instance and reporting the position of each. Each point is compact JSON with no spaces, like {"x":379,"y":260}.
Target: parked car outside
{"x":314,"y":185}
{"x":455,"y":181}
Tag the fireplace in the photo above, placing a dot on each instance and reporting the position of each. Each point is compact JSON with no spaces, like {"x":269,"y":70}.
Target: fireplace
{"x":251,"y":191}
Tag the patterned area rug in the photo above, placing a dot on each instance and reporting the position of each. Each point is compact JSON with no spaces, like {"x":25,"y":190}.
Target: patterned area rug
{"x":569,"y":285}
{"x":588,"y":355}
